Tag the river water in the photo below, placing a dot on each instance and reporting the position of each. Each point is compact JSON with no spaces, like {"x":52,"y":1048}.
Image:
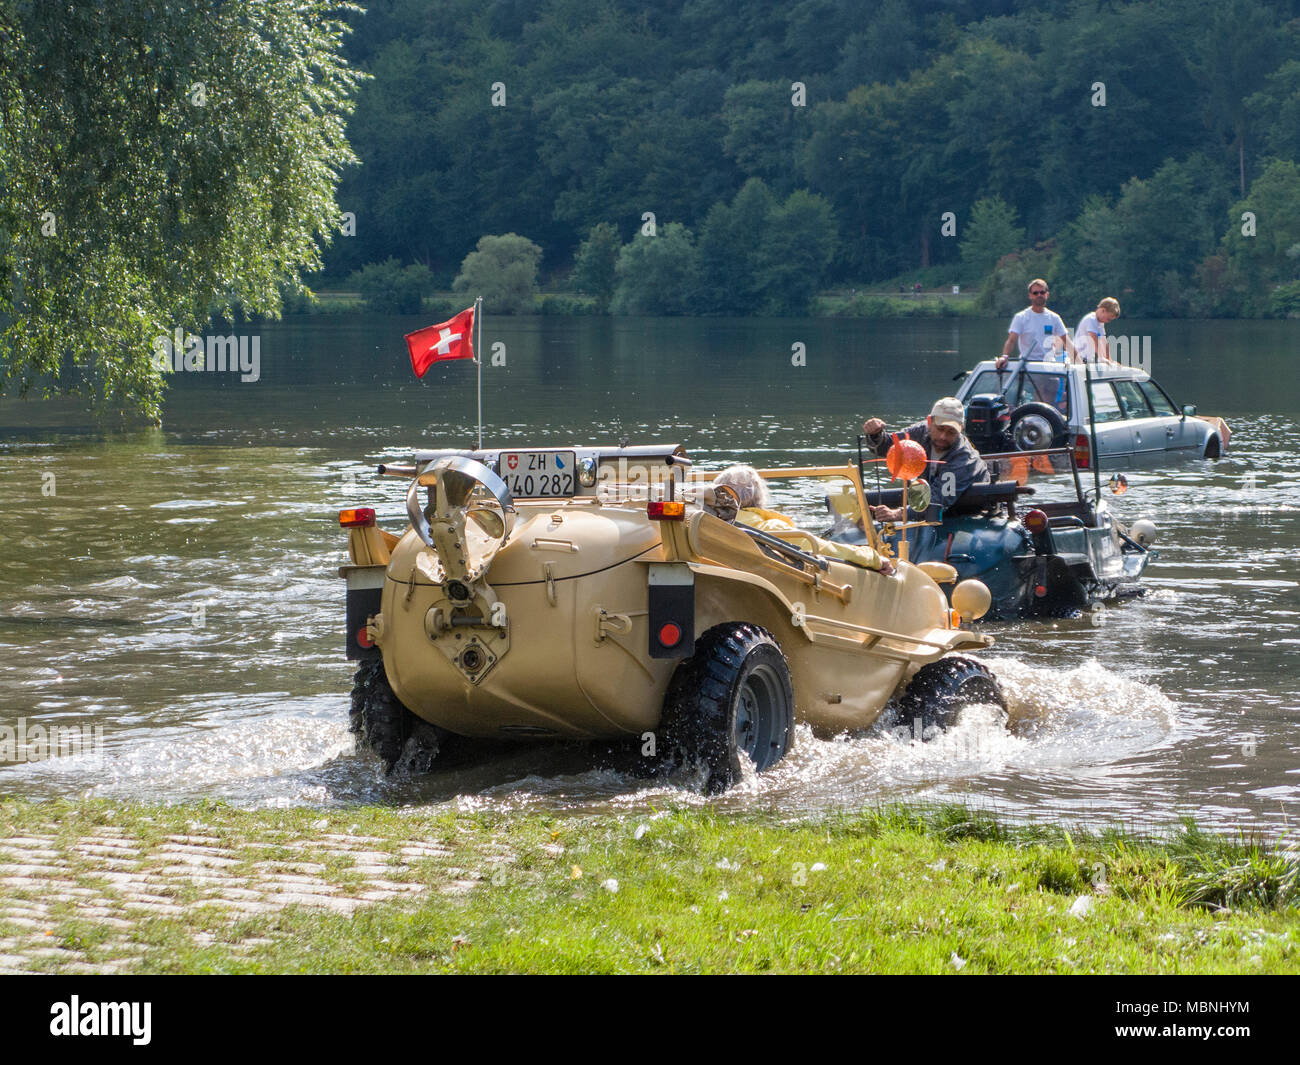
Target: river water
{"x":174,"y":593}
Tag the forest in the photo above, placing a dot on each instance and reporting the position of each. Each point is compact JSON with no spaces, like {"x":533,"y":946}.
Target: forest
{"x":1145,"y":150}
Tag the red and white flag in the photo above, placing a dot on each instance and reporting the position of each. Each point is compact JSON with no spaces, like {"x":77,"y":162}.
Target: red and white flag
{"x":451,"y":339}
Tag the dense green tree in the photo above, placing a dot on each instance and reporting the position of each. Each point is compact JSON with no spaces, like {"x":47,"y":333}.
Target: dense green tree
{"x":1092,"y":262}
{"x":1263,"y":250}
{"x":885,"y":50}
{"x":1168,"y":223}
{"x":799,"y":242}
{"x":391,"y":288}
{"x":763,"y":129}
{"x":1146,"y":248}
{"x":989,"y":233}
{"x":595,"y":269}
{"x":1238,"y":45}
{"x":659,"y":274}
{"x":159,"y":159}
{"x":1004,"y":290}
{"x":503,"y":270}
{"x":1275,"y":111}
{"x":731,"y":240}
{"x":914,"y":110}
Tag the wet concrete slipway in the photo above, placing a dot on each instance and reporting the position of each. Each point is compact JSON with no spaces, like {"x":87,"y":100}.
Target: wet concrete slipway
{"x":173,"y":593}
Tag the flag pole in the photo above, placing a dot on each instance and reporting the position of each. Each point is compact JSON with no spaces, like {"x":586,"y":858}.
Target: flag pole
{"x":478,"y":358}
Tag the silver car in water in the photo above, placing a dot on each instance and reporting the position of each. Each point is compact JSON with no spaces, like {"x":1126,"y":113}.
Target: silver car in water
{"x":1035,"y":405}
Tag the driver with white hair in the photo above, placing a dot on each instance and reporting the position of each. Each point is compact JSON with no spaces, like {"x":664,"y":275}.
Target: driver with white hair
{"x":741,"y":496}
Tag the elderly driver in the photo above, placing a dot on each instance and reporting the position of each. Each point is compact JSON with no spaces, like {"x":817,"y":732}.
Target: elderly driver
{"x":740,"y":495}
{"x":954,"y":465}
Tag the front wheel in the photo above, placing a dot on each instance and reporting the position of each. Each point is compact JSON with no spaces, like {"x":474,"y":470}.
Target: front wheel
{"x":939,"y":692}
{"x":1037,"y":427}
{"x":732,"y":696}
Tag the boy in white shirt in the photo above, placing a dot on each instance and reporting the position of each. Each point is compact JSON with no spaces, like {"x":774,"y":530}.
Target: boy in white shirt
{"x":1090,"y":343}
{"x":1035,"y":331}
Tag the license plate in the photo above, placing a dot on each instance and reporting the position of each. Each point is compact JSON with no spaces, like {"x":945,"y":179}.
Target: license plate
{"x":538,"y":474}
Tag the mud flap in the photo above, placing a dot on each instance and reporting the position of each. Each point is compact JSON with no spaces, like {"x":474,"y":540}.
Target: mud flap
{"x":365,"y":592}
{"x":672,"y":610}
{"x":1064,"y":592}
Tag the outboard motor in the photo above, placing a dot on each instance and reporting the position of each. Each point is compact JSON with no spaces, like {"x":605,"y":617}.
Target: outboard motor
{"x":988,"y":417}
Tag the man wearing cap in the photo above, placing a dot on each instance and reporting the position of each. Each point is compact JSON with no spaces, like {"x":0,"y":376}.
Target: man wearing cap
{"x":954,"y":465}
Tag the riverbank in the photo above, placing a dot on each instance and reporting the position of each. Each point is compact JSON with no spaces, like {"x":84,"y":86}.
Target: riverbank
{"x":110,"y":887}
{"x":834,"y":304}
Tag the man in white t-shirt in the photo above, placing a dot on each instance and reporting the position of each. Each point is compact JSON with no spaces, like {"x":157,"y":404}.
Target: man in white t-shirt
{"x":1036,"y":330}
{"x":1090,"y":343}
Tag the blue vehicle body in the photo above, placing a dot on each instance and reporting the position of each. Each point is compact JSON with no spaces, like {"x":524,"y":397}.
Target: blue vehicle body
{"x":1081,"y":554}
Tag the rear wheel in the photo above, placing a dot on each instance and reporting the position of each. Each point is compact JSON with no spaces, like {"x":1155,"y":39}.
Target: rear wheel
{"x":1036,"y":427}
{"x":387,"y":728}
{"x":732,"y":696}
{"x":940,"y":691}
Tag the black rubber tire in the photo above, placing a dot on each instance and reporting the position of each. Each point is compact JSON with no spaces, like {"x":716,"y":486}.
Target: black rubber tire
{"x":734,"y":694}
{"x":1048,"y":414}
{"x":939,"y":692}
{"x":388,"y":729}
{"x":1213,"y":447}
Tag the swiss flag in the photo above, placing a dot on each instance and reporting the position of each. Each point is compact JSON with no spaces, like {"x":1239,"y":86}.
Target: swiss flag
{"x":438,"y":343}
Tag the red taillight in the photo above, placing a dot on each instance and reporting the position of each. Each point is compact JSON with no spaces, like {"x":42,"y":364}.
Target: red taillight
{"x":1036,"y":521}
{"x":1082,"y":452}
{"x":363,"y":637}
{"x":356,"y":516}
{"x":666,"y":510}
{"x":670,"y":635}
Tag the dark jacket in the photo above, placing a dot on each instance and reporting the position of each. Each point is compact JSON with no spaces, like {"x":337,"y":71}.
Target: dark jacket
{"x":949,"y":478}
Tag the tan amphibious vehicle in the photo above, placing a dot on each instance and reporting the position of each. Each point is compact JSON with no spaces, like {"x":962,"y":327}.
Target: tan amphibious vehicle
{"x":610,"y":593}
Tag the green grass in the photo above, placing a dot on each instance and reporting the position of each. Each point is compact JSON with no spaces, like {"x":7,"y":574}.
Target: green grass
{"x":893,"y":890}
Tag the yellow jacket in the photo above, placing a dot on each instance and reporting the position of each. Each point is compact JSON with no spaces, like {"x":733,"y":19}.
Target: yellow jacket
{"x":770,"y":521}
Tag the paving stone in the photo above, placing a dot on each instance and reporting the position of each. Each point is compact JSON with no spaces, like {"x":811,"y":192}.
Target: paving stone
{"x":196,"y":858}
{"x":109,"y":920}
{"x":293,"y":880}
{"x":27,"y":922}
{"x":124,"y":879}
{"x":107,"y":846}
{"x":338,"y":837}
{"x":391,"y":885}
{"x":424,"y":850}
{"x":54,"y":952}
{"x":161,"y":909}
{"x":189,"y":874}
{"x":259,"y":905}
{"x":291,"y":867}
{"x":380,"y":895}
{"x":316,"y":901}
{"x":9,"y":871}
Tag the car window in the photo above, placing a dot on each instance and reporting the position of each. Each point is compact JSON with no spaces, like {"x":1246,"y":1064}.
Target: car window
{"x":987,"y":382}
{"x":1105,"y":406}
{"x":1132,"y":400}
{"x":1159,"y":401}
{"x":1049,"y":388}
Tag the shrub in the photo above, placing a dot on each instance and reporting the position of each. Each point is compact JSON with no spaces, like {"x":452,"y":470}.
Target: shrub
{"x":390,"y":288}
{"x":503,"y":270}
